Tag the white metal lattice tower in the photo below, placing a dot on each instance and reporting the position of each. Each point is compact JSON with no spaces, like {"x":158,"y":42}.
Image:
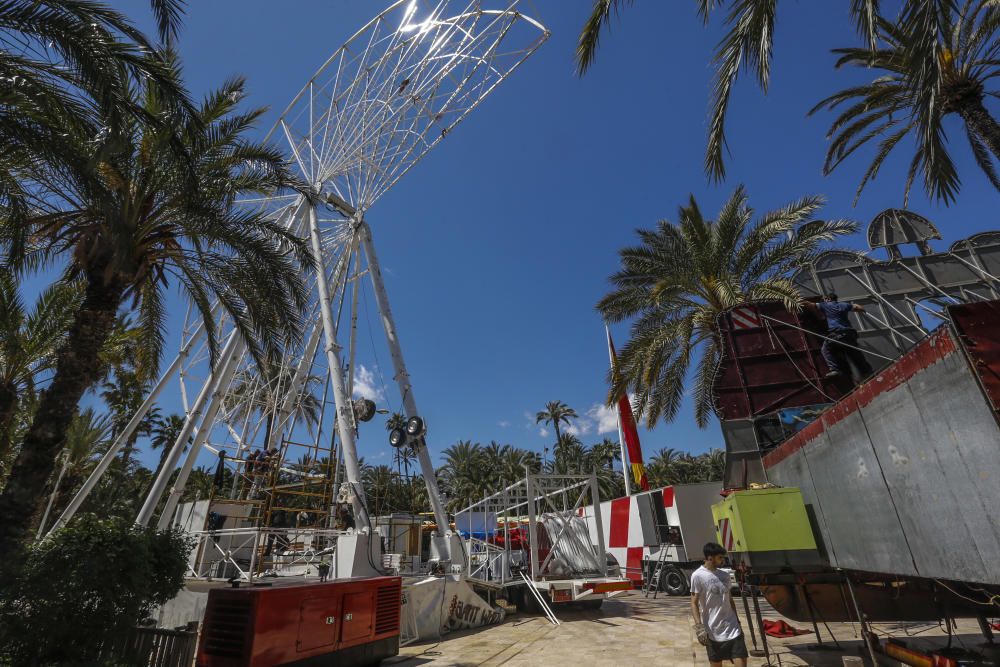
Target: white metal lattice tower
{"x":366,"y":117}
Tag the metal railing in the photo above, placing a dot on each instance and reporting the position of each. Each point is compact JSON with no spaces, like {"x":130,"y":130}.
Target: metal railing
{"x":155,"y":647}
{"x":246,"y":553}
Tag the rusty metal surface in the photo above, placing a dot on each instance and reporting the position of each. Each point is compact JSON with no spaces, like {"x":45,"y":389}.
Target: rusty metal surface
{"x":904,"y":473}
{"x":772,"y":366}
{"x":978,"y":326}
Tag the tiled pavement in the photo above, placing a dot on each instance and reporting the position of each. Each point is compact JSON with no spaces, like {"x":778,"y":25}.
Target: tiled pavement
{"x":631,"y":630}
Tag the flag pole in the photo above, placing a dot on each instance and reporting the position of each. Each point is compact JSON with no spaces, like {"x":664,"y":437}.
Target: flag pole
{"x":621,"y":434}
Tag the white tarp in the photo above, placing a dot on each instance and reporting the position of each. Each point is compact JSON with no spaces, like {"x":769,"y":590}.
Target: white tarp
{"x":438,"y":605}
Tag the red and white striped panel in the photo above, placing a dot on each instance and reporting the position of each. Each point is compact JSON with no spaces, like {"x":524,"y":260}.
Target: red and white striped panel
{"x":745,"y":317}
{"x":623,"y":530}
{"x":726,"y":534}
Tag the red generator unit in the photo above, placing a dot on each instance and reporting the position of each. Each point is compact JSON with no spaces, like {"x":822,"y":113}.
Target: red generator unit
{"x":343,"y":622}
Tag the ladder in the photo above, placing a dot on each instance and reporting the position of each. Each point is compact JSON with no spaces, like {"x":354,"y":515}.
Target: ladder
{"x":546,"y":609}
{"x":654,"y":582}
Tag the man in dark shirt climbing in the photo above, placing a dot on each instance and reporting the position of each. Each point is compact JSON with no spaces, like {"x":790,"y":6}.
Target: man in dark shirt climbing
{"x":842,"y":339}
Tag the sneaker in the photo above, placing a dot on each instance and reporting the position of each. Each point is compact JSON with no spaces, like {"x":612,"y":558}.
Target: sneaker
{"x":832,"y":374}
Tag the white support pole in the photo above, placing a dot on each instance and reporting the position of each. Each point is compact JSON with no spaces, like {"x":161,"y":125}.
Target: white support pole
{"x":529,"y":484}
{"x":402,"y":376}
{"x":595,"y":499}
{"x":621,"y":434}
{"x":177,"y":449}
{"x":123,"y":437}
{"x":295,"y":389}
{"x":52,"y":497}
{"x":342,"y":401}
{"x":219,"y":390}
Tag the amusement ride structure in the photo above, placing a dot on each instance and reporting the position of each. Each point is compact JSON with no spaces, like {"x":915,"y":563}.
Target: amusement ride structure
{"x":394,"y":90}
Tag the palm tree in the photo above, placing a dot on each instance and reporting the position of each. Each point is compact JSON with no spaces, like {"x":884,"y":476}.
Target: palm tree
{"x":164,"y":434}
{"x":87,"y":439}
{"x":123,"y":395}
{"x":64,"y":58}
{"x":127,"y":212}
{"x":569,"y":456}
{"x":402,"y":456}
{"x":463,"y":473}
{"x":515,"y":462}
{"x":889,"y":109}
{"x":748,"y":45}
{"x":683,"y":276}
{"x":555,"y":413}
{"x":713,"y":464}
{"x":28,"y":344}
{"x":381,"y":484}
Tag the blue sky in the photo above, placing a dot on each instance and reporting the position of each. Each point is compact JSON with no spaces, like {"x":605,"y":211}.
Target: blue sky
{"x":498,"y":245}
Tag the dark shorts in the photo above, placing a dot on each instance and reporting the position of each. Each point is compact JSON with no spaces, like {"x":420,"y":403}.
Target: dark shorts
{"x":727,"y":650}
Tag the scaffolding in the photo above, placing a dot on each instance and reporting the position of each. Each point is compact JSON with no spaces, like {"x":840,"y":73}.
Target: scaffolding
{"x":534,"y":527}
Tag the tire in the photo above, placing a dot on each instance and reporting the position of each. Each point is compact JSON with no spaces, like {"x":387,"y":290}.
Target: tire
{"x":526,"y":602}
{"x":673,"y":581}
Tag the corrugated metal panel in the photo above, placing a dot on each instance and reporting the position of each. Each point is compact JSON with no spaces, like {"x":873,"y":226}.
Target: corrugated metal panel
{"x":904,"y":474}
{"x":859,"y":512}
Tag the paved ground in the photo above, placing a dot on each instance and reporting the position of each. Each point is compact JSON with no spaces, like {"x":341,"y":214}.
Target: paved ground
{"x":630,"y":631}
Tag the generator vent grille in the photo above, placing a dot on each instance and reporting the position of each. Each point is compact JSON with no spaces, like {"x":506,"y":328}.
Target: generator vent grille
{"x":387,"y":607}
{"x":226,"y":628}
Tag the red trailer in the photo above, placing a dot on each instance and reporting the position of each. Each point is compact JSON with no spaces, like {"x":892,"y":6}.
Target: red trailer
{"x":343,"y":622}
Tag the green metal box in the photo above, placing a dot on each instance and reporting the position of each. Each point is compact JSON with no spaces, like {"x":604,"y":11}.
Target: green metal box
{"x":767,"y":530}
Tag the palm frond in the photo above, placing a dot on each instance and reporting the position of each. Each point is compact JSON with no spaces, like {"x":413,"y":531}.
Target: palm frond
{"x":748,"y":43}
{"x":590,"y":36}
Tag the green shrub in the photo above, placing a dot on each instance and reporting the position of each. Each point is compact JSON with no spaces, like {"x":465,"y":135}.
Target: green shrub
{"x":85,"y":585}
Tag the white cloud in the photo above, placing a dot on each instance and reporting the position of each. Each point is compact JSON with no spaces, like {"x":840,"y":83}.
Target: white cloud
{"x":605,"y":417}
{"x":544,"y":432}
{"x":364,"y":384}
{"x":503,"y":423}
{"x":582,"y":426}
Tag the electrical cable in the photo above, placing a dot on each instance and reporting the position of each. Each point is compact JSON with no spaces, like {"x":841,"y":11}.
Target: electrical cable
{"x":992,"y":601}
{"x":832,"y":340}
{"x":799,"y":370}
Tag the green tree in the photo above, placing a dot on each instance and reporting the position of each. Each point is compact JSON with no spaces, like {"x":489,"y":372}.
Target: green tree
{"x":556,"y":413}
{"x":891,"y":107}
{"x":164,"y":434}
{"x":402,"y":456}
{"x":86,"y":440}
{"x":85,"y":586}
{"x":28,"y":345}
{"x":127,"y":212}
{"x":463,"y":474}
{"x":123,"y":395}
{"x":748,"y":45}
{"x":382,"y":489}
{"x":669,"y":466}
{"x":683,"y":276}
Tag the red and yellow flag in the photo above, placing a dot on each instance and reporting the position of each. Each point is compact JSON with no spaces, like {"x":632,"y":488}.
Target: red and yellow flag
{"x":626,"y":425}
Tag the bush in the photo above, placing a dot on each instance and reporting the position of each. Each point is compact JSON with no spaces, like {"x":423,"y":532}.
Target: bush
{"x":84,"y":585}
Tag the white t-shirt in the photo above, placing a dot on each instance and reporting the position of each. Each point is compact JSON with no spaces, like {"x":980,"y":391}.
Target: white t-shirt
{"x":715,"y":602}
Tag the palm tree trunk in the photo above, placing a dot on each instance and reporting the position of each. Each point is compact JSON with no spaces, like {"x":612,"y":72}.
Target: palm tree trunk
{"x":982,"y":124}
{"x":77,"y":368}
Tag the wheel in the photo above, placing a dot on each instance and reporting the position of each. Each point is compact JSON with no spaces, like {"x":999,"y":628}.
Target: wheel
{"x":526,"y":602}
{"x":673,"y":581}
